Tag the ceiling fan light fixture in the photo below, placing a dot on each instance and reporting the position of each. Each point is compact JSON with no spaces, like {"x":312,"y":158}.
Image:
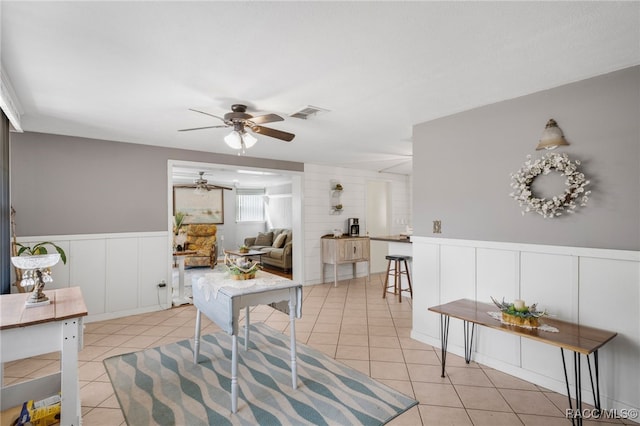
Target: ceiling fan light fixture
{"x":200,"y":190}
{"x":249,"y":140}
{"x":201,"y":185}
{"x":234,"y":140}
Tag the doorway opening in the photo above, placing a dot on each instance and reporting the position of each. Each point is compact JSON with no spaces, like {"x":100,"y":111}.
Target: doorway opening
{"x":279,"y":194}
{"x":378,"y":221}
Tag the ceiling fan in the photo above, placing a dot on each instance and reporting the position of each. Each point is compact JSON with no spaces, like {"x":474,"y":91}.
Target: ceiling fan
{"x":202,"y":186}
{"x":241,"y":121}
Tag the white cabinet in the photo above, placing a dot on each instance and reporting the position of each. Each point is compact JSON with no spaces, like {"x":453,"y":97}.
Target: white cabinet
{"x":337,"y":251}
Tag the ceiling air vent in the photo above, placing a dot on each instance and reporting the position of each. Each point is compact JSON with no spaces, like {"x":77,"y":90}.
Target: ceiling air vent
{"x":308,"y":111}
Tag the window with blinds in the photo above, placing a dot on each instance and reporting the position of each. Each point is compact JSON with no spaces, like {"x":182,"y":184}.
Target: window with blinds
{"x":249,"y":205}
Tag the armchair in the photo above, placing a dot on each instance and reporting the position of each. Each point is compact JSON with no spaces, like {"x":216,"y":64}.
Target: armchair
{"x":201,"y":238}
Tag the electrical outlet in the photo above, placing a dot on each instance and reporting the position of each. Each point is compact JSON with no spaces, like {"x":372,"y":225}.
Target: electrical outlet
{"x":437,"y":227}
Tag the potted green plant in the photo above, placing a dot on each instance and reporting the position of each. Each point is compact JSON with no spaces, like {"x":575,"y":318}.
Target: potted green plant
{"x":39,"y":249}
{"x":243,"y":249}
{"x":178,"y":221}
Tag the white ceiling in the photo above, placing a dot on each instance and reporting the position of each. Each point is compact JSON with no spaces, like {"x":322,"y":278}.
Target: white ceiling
{"x":129,"y":71}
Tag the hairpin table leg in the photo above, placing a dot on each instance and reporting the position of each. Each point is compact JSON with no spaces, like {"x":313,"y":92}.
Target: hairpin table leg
{"x":468,"y":340}
{"x":596,"y":389}
{"x":576,"y":415}
{"x":444,"y":337}
{"x":578,"y":383}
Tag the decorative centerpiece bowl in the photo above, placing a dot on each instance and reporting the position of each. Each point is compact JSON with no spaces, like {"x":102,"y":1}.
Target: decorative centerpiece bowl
{"x":37,"y":273}
{"x":517,"y":313}
{"x":243,"y":249}
{"x":240,"y":268}
{"x":35,"y":262}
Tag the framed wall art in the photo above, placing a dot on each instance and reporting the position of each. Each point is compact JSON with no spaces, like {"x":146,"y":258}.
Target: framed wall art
{"x":199,"y":208}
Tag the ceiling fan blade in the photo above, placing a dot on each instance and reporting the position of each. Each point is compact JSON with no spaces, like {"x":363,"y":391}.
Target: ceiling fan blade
{"x":206,"y":113}
{"x":214,"y":186}
{"x":278,"y":134}
{"x":200,"y":128}
{"x":267,"y":118}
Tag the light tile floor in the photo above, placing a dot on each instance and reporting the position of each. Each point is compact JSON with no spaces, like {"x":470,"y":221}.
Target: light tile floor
{"x":353,"y":324}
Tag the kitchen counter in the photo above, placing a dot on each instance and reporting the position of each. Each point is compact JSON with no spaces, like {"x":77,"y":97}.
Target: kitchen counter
{"x":395,"y":245}
{"x":393,"y":238}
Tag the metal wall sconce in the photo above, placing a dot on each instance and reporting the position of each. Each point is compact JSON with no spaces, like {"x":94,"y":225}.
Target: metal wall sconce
{"x":552,"y":136}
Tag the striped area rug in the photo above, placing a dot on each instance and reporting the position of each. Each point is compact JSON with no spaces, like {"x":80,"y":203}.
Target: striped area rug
{"x":162,"y":386}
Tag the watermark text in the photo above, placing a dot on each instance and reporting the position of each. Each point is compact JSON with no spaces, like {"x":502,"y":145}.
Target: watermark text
{"x":593,"y":413}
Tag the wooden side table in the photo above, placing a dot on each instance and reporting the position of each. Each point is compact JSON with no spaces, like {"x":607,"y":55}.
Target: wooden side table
{"x":27,"y":332}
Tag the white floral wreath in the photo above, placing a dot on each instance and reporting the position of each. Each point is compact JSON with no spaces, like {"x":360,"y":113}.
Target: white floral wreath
{"x":575,"y":192}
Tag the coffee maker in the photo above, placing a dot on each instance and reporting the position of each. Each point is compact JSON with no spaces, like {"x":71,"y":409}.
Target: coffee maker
{"x":353,"y":227}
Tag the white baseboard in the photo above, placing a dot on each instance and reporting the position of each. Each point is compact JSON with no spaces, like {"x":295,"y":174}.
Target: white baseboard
{"x":113,"y":315}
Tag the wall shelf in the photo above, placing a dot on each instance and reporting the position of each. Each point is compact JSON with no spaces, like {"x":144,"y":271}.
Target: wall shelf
{"x":335,"y":195}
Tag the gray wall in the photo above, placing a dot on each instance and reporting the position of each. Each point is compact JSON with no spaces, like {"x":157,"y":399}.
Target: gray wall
{"x":462,"y":165}
{"x":62,"y":185}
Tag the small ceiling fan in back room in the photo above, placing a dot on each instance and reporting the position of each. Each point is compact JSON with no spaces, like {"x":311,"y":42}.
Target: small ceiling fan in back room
{"x":241,"y":121}
{"x":202,"y":185}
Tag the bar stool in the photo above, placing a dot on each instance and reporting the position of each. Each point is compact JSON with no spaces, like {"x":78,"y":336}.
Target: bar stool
{"x":397,"y":271}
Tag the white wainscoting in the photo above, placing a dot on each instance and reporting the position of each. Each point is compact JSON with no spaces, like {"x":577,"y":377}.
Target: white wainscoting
{"x":118,"y":273}
{"x":595,"y":287}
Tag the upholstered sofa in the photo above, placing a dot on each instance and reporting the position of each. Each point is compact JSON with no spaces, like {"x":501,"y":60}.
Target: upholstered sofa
{"x":277,"y":246}
{"x":201,"y":238}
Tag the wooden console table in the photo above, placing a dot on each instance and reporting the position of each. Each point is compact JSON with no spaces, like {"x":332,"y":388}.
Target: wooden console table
{"x":341,"y":250}
{"x":221,"y":298}
{"x":580,"y":339}
{"x":27,"y":332}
